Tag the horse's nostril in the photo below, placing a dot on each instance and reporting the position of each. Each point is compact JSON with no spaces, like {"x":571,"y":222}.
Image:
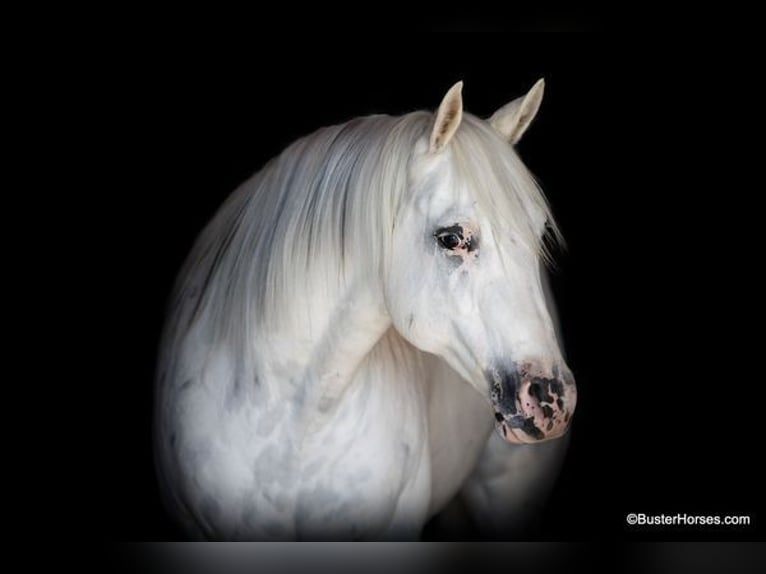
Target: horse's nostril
{"x":538,"y":391}
{"x":535,"y":391}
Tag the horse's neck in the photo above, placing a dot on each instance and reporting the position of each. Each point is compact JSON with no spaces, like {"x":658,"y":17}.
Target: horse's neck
{"x":313,"y":364}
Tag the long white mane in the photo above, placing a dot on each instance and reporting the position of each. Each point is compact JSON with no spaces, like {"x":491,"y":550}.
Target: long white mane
{"x":328,"y":203}
{"x":351,"y":325}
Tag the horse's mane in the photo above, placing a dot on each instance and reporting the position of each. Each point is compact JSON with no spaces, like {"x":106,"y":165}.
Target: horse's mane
{"x":327,"y":207}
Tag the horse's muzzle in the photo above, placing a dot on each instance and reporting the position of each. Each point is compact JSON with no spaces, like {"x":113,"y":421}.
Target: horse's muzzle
{"x":530,"y":404}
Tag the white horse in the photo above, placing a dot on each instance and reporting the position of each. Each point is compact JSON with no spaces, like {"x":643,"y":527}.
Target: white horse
{"x":350,"y":326}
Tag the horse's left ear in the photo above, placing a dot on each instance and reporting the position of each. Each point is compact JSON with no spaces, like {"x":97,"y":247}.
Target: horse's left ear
{"x":447,"y":118}
{"x":513,"y":119}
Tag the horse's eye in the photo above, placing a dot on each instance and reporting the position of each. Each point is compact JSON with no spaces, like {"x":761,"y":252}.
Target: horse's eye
{"x":448,"y":240}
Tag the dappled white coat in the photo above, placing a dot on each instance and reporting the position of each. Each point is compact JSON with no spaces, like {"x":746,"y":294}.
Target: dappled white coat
{"x":323,"y":372}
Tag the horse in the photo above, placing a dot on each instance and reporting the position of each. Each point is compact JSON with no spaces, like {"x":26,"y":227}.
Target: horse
{"x":363,"y":335}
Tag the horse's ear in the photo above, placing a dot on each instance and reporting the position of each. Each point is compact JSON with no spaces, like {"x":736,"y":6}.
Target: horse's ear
{"x":513,"y":119}
{"x":447,"y":118}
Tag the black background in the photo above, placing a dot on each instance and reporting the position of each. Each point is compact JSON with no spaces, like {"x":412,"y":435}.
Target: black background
{"x":644,"y":152}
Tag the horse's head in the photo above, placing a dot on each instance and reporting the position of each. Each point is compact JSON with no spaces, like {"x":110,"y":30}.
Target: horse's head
{"x":464,"y":278}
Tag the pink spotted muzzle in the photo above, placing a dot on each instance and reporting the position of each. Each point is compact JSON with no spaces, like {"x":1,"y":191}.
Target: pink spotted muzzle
{"x":532,"y":405}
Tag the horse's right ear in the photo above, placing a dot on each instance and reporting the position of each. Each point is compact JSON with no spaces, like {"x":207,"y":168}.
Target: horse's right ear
{"x":448,"y":118}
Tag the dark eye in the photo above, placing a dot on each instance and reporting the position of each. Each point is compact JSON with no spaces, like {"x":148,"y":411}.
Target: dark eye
{"x":448,"y":239}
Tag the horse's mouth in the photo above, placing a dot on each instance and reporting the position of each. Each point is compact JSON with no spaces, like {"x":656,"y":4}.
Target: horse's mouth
{"x":530,"y":408}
